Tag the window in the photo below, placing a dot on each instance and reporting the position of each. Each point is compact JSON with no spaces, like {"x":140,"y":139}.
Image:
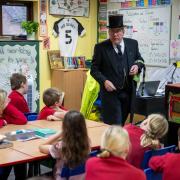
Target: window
{"x":11,"y":16}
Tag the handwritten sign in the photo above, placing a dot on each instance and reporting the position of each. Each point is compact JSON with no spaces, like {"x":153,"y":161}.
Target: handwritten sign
{"x":20,"y":58}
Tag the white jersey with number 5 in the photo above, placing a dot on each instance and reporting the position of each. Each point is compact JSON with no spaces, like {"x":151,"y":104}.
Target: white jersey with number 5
{"x":68,"y":30}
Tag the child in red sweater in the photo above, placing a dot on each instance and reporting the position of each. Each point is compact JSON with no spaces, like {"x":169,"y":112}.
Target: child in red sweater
{"x":145,"y":137}
{"x":11,"y":115}
{"x":19,"y":88}
{"x":53,"y":110}
{"x":8,"y":113}
{"x":168,"y":164}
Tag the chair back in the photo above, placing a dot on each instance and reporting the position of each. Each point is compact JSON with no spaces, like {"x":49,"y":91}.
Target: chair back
{"x":148,"y":154}
{"x":31,"y":116}
{"x":152,"y":175}
{"x":68,"y":172}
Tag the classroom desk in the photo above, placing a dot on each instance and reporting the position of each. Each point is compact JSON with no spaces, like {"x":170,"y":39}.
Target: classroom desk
{"x":31,"y":147}
{"x":46,"y":124}
{"x":58,"y":124}
{"x":13,"y":127}
{"x":20,"y":151}
{"x":95,"y":135}
{"x":29,"y":150}
{"x":10,"y":156}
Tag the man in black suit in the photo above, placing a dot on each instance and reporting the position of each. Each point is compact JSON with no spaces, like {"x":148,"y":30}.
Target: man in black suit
{"x":115,"y":62}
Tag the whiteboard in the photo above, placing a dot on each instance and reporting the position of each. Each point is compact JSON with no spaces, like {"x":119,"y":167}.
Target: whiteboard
{"x":151,"y":28}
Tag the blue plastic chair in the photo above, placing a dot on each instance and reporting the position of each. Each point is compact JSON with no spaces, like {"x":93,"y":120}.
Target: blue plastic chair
{"x":152,"y":175}
{"x":31,"y":116}
{"x":97,"y":103}
{"x":158,"y":152}
{"x":68,"y":172}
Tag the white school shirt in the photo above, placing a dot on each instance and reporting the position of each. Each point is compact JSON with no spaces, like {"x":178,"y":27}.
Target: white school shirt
{"x":122,"y":47}
{"x":68,"y":30}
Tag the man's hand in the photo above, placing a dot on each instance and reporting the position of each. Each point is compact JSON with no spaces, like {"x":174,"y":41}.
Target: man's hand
{"x":5,"y":122}
{"x":109,"y":86}
{"x":133,"y":70}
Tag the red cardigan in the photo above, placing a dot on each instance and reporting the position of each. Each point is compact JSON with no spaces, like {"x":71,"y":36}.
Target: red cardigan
{"x":168,"y":164}
{"x":18,"y":100}
{"x":12,"y":116}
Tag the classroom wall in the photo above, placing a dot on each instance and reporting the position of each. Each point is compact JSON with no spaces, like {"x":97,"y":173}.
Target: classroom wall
{"x":85,"y":44}
{"x":175,"y":15}
{"x":157,"y":71}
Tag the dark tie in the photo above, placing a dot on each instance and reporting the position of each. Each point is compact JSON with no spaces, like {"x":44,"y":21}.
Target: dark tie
{"x":119,"y":49}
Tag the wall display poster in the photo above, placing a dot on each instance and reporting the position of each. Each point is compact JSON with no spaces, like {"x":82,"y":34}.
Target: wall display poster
{"x":102,"y":22}
{"x":179,"y":28}
{"x":46,"y":43}
{"x":115,"y":1}
{"x":151,"y":28}
{"x":175,"y":49}
{"x":21,"y":57}
{"x":43,"y":30}
{"x":69,"y":7}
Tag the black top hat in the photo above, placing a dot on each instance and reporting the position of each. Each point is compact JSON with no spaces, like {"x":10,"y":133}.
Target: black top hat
{"x":115,"y":21}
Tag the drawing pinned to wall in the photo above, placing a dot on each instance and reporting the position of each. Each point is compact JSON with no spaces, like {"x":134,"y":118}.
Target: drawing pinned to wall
{"x":142,"y":3}
{"x":69,"y":7}
{"x":115,"y":1}
{"x":102,"y":21}
{"x":43,"y":30}
{"x":175,"y":49}
{"x":46,"y":43}
{"x":22,"y":58}
{"x":179,"y":28}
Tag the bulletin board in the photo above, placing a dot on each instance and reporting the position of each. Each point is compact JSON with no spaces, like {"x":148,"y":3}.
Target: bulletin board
{"x":21,"y":57}
{"x":69,"y":7}
{"x":151,"y":27}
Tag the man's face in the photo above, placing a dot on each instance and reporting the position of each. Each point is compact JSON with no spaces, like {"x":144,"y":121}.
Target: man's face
{"x":116,"y":35}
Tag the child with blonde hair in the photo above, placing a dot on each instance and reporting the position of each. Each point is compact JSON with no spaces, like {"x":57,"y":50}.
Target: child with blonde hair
{"x":8,"y":113}
{"x":53,"y":110}
{"x":145,"y":137}
{"x":111,"y":162}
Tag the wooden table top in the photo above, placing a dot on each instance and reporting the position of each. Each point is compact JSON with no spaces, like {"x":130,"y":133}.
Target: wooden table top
{"x":58,"y":124}
{"x":13,"y":127}
{"x":29,"y":150}
{"x":95,"y":135}
{"x":11,"y":156}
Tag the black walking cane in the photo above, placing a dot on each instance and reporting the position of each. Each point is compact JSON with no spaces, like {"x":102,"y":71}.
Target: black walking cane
{"x":133,"y":95}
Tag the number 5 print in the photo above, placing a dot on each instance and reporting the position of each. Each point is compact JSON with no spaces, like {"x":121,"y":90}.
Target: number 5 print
{"x":68,"y":37}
